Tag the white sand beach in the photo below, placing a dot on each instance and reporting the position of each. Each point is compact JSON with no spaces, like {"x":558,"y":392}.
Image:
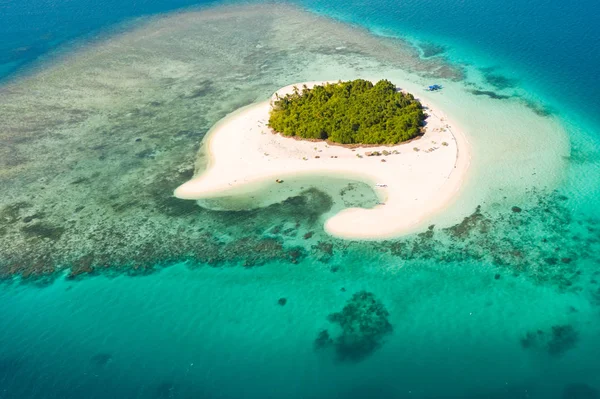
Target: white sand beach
{"x":414,"y":181}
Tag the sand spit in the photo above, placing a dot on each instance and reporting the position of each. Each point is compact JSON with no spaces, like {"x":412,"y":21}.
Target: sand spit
{"x":414,"y":180}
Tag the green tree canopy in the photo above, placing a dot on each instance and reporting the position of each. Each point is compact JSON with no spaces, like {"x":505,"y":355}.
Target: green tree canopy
{"x":354,"y":112}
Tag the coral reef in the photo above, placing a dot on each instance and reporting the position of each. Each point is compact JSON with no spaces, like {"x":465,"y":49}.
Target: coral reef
{"x":363,"y":325}
{"x":89,"y":163}
{"x":558,"y":340}
{"x":541,"y":241}
{"x":580,"y":391}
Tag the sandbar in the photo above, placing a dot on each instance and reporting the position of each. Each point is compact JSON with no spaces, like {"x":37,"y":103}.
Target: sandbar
{"x":415,"y":181}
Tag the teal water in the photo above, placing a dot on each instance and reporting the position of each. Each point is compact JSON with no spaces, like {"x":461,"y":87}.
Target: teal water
{"x":505,"y":304}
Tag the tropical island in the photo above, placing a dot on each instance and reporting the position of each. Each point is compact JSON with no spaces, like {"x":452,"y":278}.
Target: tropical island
{"x":353,"y":112}
{"x":328,"y":133}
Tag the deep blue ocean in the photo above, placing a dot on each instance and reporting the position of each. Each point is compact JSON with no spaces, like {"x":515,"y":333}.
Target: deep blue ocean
{"x":118,"y":337}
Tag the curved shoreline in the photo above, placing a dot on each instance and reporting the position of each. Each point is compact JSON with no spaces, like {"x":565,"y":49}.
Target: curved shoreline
{"x":243,"y":153}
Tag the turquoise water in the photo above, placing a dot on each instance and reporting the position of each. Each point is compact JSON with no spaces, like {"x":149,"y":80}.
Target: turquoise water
{"x":505,"y":304}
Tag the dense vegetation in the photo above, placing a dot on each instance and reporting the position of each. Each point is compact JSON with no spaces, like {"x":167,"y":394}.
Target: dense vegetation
{"x":355,"y":112}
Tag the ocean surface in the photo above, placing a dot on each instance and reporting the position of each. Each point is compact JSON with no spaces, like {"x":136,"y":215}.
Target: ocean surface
{"x":112,"y":289}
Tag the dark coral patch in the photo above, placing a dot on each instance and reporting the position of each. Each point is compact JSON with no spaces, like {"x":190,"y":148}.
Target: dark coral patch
{"x":323,"y":340}
{"x":101,"y":359}
{"x":363,"y":325}
{"x":490,"y":94}
{"x":43,"y":230}
{"x":555,"y":341}
{"x":580,"y":391}
{"x":498,"y":81}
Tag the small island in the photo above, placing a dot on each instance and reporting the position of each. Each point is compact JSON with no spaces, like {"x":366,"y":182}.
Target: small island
{"x":404,"y":147}
{"x":354,"y":112}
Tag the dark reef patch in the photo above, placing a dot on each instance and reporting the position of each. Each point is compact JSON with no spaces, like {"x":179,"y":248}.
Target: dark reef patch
{"x":174,"y":206}
{"x":323,"y":340}
{"x":101,"y":359}
{"x":540,"y":243}
{"x":539,"y":109}
{"x":429,"y":50}
{"x":556,"y":341}
{"x":498,"y":81}
{"x":323,"y":251}
{"x":476,"y":222}
{"x":11,"y":213}
{"x":201,"y":89}
{"x":43,"y":230}
{"x":363,"y":324}
{"x":580,"y":391}
{"x":490,"y":94}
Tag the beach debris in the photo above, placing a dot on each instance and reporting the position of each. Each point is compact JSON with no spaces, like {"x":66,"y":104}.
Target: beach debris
{"x":381,"y":185}
{"x":316,"y":156}
{"x":444,"y":143}
{"x":395,"y":152}
{"x":385,"y":152}
{"x":359,"y":156}
{"x":278,"y":181}
{"x":383,"y":160}
{"x":415,"y":149}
